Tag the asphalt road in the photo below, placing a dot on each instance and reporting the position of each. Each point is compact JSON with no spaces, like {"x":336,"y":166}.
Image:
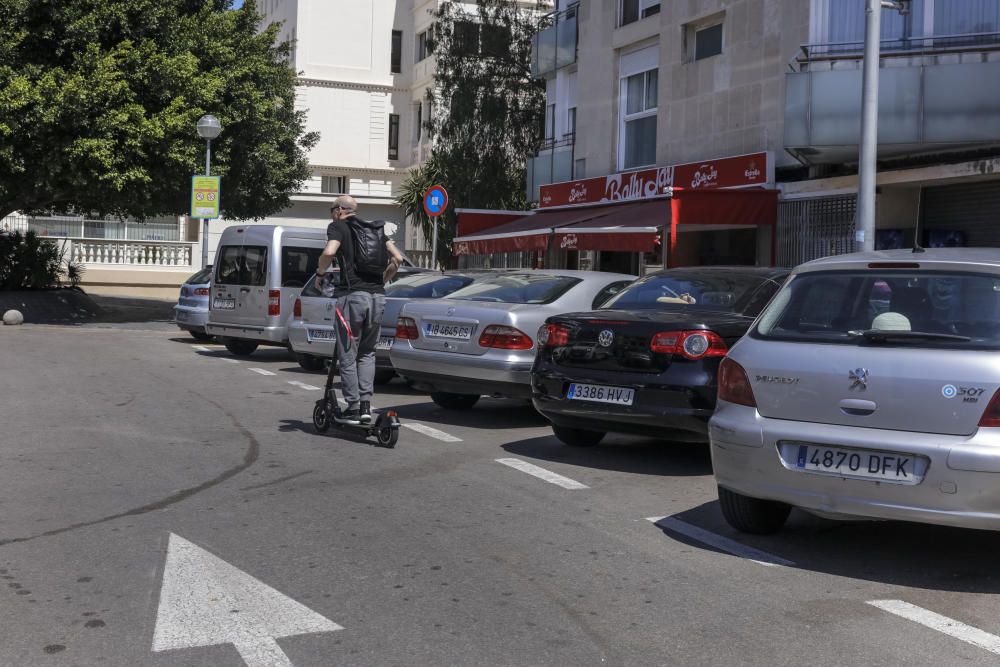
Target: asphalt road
{"x":155,"y":493}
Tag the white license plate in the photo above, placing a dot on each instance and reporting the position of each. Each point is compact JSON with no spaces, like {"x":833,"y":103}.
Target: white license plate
{"x":894,"y":467}
{"x":599,"y":393}
{"x":439,"y":330}
{"x":321,"y":334}
{"x":385,"y":343}
{"x":224,"y":304}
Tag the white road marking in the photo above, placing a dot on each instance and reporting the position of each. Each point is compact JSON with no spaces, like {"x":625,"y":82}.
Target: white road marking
{"x":260,"y":371}
{"x":303,"y":385}
{"x":228,"y":360}
{"x":948,"y":626}
{"x":200,"y":348}
{"x":205,"y":601}
{"x":719,"y":542}
{"x":542,"y":473}
{"x":432,"y":432}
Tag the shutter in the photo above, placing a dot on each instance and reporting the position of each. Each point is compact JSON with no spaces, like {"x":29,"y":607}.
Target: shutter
{"x":813,"y":228}
{"x":970,"y":208}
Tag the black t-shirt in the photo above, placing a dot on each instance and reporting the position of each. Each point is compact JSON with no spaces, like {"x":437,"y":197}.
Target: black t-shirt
{"x":350,"y":279}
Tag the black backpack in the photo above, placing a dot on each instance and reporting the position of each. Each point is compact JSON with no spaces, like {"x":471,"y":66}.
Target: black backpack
{"x":370,"y":253}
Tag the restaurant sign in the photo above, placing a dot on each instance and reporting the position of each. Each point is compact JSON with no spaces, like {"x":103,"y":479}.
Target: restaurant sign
{"x":729,"y":172}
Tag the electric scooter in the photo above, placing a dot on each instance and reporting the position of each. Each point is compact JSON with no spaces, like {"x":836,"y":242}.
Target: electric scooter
{"x":385,"y":426}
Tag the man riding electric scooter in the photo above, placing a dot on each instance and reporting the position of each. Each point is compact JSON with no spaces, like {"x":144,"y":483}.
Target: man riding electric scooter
{"x":367,"y":261}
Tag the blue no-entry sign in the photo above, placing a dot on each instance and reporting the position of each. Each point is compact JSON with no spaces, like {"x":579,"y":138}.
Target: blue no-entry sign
{"x":435,"y":200}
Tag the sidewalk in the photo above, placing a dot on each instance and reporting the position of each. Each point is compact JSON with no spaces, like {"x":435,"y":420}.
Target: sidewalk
{"x":73,"y":306}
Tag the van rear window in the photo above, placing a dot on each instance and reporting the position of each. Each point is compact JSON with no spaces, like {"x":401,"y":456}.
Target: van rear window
{"x":936,"y":309}
{"x":298,"y":265}
{"x":241,"y":265}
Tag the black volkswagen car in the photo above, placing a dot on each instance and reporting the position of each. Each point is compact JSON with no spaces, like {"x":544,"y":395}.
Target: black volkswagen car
{"x":646,"y":361}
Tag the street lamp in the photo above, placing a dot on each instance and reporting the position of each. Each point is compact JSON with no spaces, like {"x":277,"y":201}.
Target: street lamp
{"x":865,"y":233}
{"x":209,"y":128}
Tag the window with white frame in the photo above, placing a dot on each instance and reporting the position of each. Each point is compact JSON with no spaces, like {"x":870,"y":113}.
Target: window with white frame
{"x":839,"y":21}
{"x":418,"y":121}
{"x":571,"y":122}
{"x":638,"y":94}
{"x":425,"y":44}
{"x":630,"y":11}
{"x":334,"y":185}
{"x":550,"y":122}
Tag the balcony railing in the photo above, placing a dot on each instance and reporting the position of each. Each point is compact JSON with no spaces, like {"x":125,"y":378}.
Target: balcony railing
{"x":933,"y":96}
{"x":554,"y":45}
{"x":552,"y":164}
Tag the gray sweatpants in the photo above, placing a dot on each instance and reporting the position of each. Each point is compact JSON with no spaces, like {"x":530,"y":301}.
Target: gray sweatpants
{"x":356,"y":351}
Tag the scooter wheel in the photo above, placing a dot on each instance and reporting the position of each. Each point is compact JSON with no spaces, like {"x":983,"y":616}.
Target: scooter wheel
{"x":387,"y":436}
{"x":321,"y":417}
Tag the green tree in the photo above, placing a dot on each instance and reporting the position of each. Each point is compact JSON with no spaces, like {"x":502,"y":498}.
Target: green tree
{"x":488,"y":111}
{"x":99,"y":101}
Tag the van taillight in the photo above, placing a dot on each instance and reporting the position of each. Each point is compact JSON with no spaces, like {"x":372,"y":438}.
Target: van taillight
{"x":297,"y":308}
{"x":689,"y":344}
{"x":201,"y":291}
{"x":501,"y":337}
{"x":274,"y":302}
{"x":406,"y":329}
{"x":734,"y":385}
{"x":991,"y":415}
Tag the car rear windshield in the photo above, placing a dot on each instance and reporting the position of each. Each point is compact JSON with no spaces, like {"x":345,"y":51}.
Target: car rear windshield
{"x":517,"y":288}
{"x":937,"y":309}
{"x":200,"y":278}
{"x":241,"y":265}
{"x":426,"y":285}
{"x":729,"y":292}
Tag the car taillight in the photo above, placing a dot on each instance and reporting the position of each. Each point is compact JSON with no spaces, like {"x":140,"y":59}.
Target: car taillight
{"x":502,"y":337}
{"x":991,"y":415}
{"x":297,"y":308}
{"x":553,"y":335}
{"x":734,"y":385}
{"x":274,"y":302}
{"x":689,"y":344}
{"x":406,"y":329}
{"x":201,"y":291}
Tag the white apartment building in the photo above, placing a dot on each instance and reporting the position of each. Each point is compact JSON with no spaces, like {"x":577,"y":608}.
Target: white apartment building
{"x":647,"y":90}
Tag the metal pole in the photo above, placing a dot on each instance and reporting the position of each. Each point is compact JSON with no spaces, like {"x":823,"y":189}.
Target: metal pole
{"x":865,"y":233}
{"x":204,"y":221}
{"x":434,"y":244}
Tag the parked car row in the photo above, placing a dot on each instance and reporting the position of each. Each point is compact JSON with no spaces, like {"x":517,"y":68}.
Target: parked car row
{"x":863,"y":385}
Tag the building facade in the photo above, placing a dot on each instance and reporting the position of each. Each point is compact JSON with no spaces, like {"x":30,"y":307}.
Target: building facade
{"x":634,"y":84}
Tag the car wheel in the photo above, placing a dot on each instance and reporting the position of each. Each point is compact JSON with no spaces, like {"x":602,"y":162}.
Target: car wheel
{"x":200,"y":335}
{"x":241,"y":348}
{"x":310,"y":363}
{"x":577,"y":437}
{"x":752,"y":515}
{"x":384,"y":377}
{"x":455,"y":401}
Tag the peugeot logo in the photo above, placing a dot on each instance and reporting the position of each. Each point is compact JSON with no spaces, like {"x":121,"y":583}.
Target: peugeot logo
{"x":605,"y":338}
{"x":451,"y":311}
{"x":860,"y":377}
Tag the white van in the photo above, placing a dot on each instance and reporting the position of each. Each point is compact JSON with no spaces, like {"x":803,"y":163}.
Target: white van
{"x":259,"y":271}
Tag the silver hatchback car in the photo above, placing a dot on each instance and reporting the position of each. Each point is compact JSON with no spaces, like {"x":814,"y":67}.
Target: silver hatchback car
{"x":867,"y":388}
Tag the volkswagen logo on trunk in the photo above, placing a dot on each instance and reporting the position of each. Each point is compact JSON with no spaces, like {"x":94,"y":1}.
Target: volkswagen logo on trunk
{"x":605,"y":338}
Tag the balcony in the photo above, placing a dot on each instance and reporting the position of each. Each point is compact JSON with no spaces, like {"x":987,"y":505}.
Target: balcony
{"x":552,"y":164}
{"x":554,"y":45}
{"x":934,"y":95}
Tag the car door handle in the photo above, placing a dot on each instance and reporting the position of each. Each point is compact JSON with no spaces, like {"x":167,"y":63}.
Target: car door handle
{"x":857,"y":407}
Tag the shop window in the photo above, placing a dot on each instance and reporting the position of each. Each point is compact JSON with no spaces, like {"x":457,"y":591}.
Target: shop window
{"x":637,"y":130}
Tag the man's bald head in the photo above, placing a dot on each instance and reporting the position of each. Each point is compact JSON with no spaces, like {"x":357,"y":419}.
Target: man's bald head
{"x":343,"y":207}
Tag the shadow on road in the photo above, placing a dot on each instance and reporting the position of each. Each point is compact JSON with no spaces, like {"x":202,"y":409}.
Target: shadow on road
{"x":621,"y":454}
{"x":886,"y":552}
{"x":348,"y":435}
{"x":488,"y":414}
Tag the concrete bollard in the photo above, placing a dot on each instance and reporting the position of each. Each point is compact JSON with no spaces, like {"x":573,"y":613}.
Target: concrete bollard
{"x":13,"y":317}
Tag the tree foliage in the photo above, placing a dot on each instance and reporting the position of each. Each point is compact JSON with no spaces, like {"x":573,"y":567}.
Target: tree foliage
{"x":99,"y":101}
{"x":488,"y":111}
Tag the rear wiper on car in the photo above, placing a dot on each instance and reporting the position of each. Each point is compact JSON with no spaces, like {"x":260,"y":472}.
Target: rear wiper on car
{"x":884,"y":335}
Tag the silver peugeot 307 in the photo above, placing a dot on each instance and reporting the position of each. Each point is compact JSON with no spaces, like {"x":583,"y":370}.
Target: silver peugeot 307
{"x":867,"y":388}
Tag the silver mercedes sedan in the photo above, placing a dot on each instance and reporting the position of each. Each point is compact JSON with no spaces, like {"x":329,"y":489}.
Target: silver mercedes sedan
{"x":869,"y":387}
{"x":481,"y":339}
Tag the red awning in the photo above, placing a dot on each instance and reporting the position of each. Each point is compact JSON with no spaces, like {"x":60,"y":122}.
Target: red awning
{"x":624,"y":227}
{"x":725,"y":207}
{"x":531,"y":232}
